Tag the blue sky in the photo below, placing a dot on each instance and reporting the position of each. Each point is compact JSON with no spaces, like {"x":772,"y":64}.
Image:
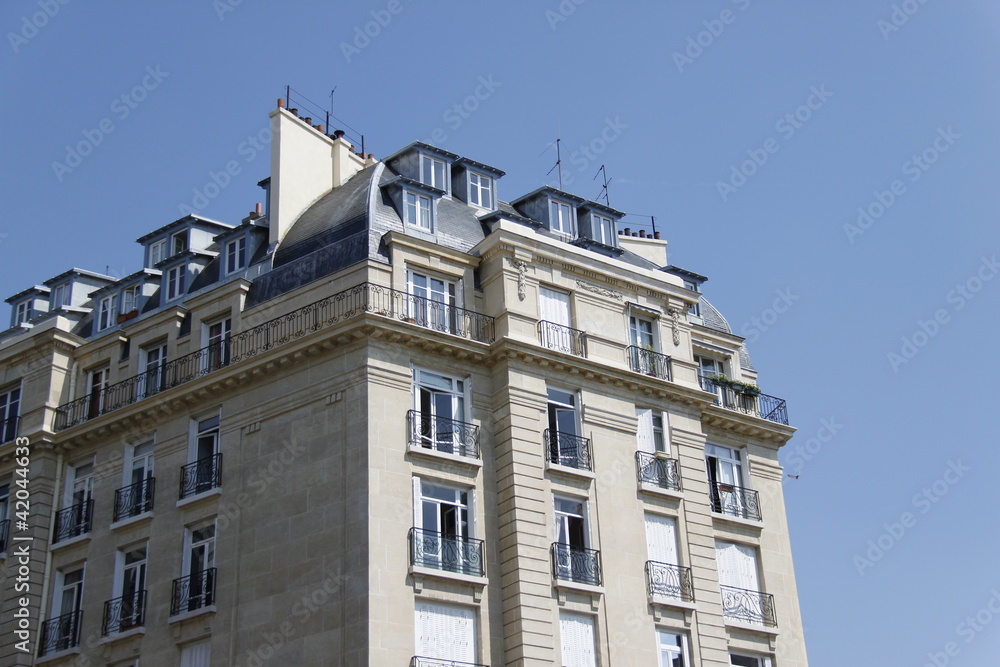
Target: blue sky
{"x":753,"y":131}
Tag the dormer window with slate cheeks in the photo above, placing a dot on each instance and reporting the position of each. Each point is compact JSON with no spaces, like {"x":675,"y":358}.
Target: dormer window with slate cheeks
{"x":175,"y":280}
{"x":562,"y":218}
{"x":22,"y":313}
{"x":59,"y":297}
{"x":481,"y":190}
{"x":418,"y":211}
{"x":107,"y":312}
{"x":434,"y":172}
{"x":157,"y":253}
{"x":602,"y":229}
{"x":178,"y":243}
{"x":236,"y":255}
{"x":475,"y":183}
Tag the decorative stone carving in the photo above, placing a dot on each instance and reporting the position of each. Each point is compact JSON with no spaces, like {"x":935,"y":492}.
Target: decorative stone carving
{"x":522,"y":269}
{"x":603,"y":291}
{"x":675,"y":318}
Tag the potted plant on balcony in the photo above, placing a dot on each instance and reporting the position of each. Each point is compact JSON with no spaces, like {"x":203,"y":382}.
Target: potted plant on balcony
{"x":719,"y":380}
{"x":747,"y":388}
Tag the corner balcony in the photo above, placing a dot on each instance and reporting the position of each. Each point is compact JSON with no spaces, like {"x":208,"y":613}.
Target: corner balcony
{"x":134,"y":499}
{"x":669,"y":582}
{"x":562,"y":338}
{"x":443,"y":435}
{"x":735,"y":501}
{"x":576,"y":564}
{"x":60,"y":633}
{"x":648,"y":362}
{"x":739,"y":397}
{"x":366,"y":298}
{"x":420,"y":661}
{"x":658,"y":470}
{"x":73,"y":521}
{"x":745,"y":606}
{"x":449,"y":553}
{"x":568,"y":449}
{"x":124,"y":613}
{"x":193,"y":593}
{"x":201,"y":476}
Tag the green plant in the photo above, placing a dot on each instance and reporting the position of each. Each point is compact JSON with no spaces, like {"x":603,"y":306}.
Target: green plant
{"x":748,"y":388}
{"x":720,"y":380}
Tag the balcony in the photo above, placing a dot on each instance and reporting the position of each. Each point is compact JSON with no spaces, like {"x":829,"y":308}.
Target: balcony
{"x":60,"y":633}
{"x":648,"y":362}
{"x":659,"y":471}
{"x":366,"y":298}
{"x":419,"y":661}
{"x":124,"y":613}
{"x":739,"y":398}
{"x":134,"y":499}
{"x":8,"y":429}
{"x":576,"y":564}
{"x":201,"y":476}
{"x":669,"y":581}
{"x":754,"y":607}
{"x":562,"y":338}
{"x":73,"y":521}
{"x":735,"y":501}
{"x":568,"y":449}
{"x":194,"y":592}
{"x":448,"y":436}
{"x":4,"y":534}
{"x":449,"y":553}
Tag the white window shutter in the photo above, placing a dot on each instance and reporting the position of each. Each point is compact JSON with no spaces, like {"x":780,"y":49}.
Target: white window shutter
{"x":644,"y":434}
{"x":747,"y":564}
{"x":725,"y":558}
{"x":445,"y":632}
{"x":661,"y":539}
{"x":196,"y":655}
{"x":554,"y":306}
{"x":417,"y":504}
{"x":667,"y":444}
{"x":576,"y":633}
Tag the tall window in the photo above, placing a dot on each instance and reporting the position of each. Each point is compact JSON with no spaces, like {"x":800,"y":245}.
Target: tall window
{"x":573,"y":558}
{"x":562,"y":219}
{"x":198,"y":654}
{"x":236,"y":255}
{"x":79,"y":494}
{"x":130,"y":585}
{"x":130,"y":299}
{"x":707,"y":367}
{"x":98,"y":383}
{"x":566,"y":446}
{"x":652,"y":434}
{"x":175,"y":282}
{"x":432,"y":303}
{"x":673,"y":649}
{"x":58,"y":299}
{"x":219,"y":342}
{"x":108,"y":312}
{"x":418,"y":211}
{"x":136,"y":494}
{"x":154,"y":361}
{"x":576,"y":639}
{"x":203,"y":473}
{"x":480,"y":190}
{"x":737,"y":565}
{"x":434,"y":172}
{"x":445,"y":632}
{"x":440,"y":403}
{"x":10,"y":406}
{"x":694,"y":310}
{"x":4,"y":516}
{"x":157,"y":252}
{"x":444,"y":526}
{"x":178,"y":243}
{"x":661,"y":539}
{"x":63,"y":630}
{"x":21,"y":312}
{"x":197,"y":588}
{"x":728,"y":488}
{"x":553,"y":307}
{"x":603,"y":229}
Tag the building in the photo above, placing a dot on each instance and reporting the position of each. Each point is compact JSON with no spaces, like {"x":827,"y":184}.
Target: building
{"x":394,"y":421}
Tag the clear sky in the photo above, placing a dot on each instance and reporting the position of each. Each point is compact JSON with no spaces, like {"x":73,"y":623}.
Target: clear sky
{"x":753,"y":131}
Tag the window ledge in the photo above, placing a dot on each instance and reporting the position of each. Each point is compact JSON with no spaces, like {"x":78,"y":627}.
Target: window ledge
{"x":211,"y":493}
{"x":427,"y":452}
{"x":58,"y":655}
{"x":131,"y":632}
{"x":421,"y":571}
{"x":728,"y":518}
{"x":121,"y":523}
{"x":660,"y":491}
{"x":568,"y":470}
{"x":79,"y":539}
{"x":753,"y":627}
{"x":201,"y":611}
{"x":664,"y":601}
{"x":578,"y":587}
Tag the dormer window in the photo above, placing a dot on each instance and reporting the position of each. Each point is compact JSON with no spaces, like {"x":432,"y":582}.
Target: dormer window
{"x":58,"y":299}
{"x":130,"y":299}
{"x":175,"y":282}
{"x":107,"y":312}
{"x":21,"y":312}
{"x":433,"y":172}
{"x":236,"y":255}
{"x":418,"y":210}
{"x":157,"y":252}
{"x":694,"y":310}
{"x":178,"y":243}
{"x":480,"y":190}
{"x":562,"y":218}
{"x":603,"y":229}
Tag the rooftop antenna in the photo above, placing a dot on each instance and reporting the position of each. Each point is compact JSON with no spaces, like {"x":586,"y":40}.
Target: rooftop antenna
{"x":558,"y":164}
{"x":604,"y":189}
{"x":328,"y":113}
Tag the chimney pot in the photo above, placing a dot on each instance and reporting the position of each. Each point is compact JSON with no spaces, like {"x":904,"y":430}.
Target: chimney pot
{"x":656,"y":235}
{"x":371,"y":156}
{"x":628,"y":231}
{"x":642,"y":233}
{"x":259,"y":209}
{"x":295,"y":112}
{"x":281,"y":102}
{"x":338,"y":134}
{"x":309,"y":120}
{"x":319,"y":128}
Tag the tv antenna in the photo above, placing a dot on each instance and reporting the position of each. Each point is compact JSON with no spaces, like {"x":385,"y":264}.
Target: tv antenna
{"x":558,"y":164}
{"x":604,"y":188}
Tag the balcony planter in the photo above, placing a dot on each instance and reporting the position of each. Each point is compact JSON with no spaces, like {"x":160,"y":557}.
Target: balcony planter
{"x":747,"y":389}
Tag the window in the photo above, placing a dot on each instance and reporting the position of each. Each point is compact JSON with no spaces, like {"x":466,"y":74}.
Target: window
{"x":157,"y":252}
{"x":136,"y":495}
{"x":566,"y":446}
{"x":22,"y":312}
{"x":652,"y":434}
{"x":196,"y":589}
{"x":443,"y":529}
{"x":445,"y":633}
{"x":433,"y":172}
{"x":127,"y":609}
{"x":641,"y":332}
{"x":480,"y":190}
{"x":573,"y":560}
{"x":130,"y":299}
{"x":562,"y":219}
{"x":672,"y":649}
{"x":432,"y":302}
{"x":553,"y":308}
{"x":218,"y":342}
{"x":62,"y":631}
{"x":78,"y":502}
{"x":58,"y":299}
{"x":748,"y":661}
{"x":154,"y":376}
{"x":576,"y":635}
{"x":198,"y":654}
{"x":418,"y":210}
{"x":694,"y":310}
{"x":441,"y":418}
{"x":603,"y":229}
{"x":10,"y":406}
{"x":727,"y":483}
{"x":108,"y":311}
{"x":738,"y":577}
{"x":4,"y":520}
{"x":204,"y":473}
{"x":661,"y":538}
{"x":709,"y":367}
{"x":98,"y":384}
{"x":236,"y":255}
{"x":666,"y":577}
{"x":175,"y":282}
{"x":178,"y":243}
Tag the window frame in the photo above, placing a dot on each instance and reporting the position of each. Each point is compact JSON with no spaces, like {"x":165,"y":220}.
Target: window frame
{"x":415,"y":207}
{"x":478,"y":188}
{"x":464,"y":653}
{"x":434,"y":162}
{"x":178,"y":242}
{"x":10,"y":409}
{"x":556,"y":208}
{"x":175,"y":282}
{"x":567,"y":659}
{"x":22,"y":312}
{"x":596,"y":220}
{"x":426,"y":393}
{"x":130,"y":299}
{"x":236,"y":249}
{"x":682,"y":645}
{"x":58,"y":298}
{"x":157,"y":252}
{"x":107,"y":312}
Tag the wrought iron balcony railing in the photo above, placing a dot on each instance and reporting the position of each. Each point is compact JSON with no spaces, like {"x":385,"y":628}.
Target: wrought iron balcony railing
{"x":124,"y":613}
{"x":767,"y":407}
{"x":735,"y":501}
{"x":193,"y":592}
{"x":443,"y":435}
{"x":451,"y":553}
{"x":421,"y":661}
{"x":60,"y":633}
{"x":348,"y":304}
{"x":73,"y":521}
{"x":134,"y":499}
{"x":576,"y":564}
{"x":568,"y":449}
{"x":562,"y":338}
{"x":753,"y":607}
{"x":658,"y":471}
{"x":8,"y":429}
{"x":669,"y":581}
{"x":4,"y":534}
{"x":648,"y":362}
{"x":202,"y":475}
